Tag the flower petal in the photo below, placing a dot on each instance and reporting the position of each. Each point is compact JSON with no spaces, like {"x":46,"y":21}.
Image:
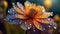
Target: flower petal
{"x":25,"y":25}
{"x":43,"y":20}
{"x":17,"y":9}
{"x":11,"y":11}
{"x":27,"y":5}
{"x":47,"y":24}
{"x":36,"y":24}
{"x":44,"y":15}
{"x":39,"y":12}
{"x":21,"y":16}
{"x":12,"y":19}
{"x":20,"y":6}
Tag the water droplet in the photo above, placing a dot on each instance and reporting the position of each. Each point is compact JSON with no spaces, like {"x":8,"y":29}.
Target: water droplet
{"x":30,"y":24}
{"x":28,"y":27}
{"x":49,"y":26}
{"x":54,"y":27}
{"x":34,"y":30}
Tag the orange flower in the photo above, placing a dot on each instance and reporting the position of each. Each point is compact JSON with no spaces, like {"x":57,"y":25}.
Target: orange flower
{"x":33,"y":15}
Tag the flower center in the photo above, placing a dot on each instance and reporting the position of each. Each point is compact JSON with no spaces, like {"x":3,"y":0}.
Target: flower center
{"x":32,"y":13}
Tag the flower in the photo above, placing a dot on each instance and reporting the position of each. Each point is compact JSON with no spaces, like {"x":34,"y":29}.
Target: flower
{"x":31,"y":15}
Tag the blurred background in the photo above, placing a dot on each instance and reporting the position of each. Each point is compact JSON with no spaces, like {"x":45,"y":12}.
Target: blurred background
{"x":50,"y":5}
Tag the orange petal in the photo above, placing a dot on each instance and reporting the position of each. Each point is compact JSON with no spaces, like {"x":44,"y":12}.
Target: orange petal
{"x":19,"y":11}
{"x":36,"y":24}
{"x":21,"y":16}
{"x":44,"y":15}
{"x":39,"y":12}
{"x":44,"y":21}
{"x":28,"y":23}
{"x":38,"y":15}
{"x":27,"y":4}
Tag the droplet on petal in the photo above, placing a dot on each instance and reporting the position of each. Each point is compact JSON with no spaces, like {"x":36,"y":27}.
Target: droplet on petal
{"x":11,"y":11}
{"x":54,"y":27}
{"x":49,"y":26}
{"x":34,"y":30}
{"x":24,"y":26}
{"x":28,"y":27}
